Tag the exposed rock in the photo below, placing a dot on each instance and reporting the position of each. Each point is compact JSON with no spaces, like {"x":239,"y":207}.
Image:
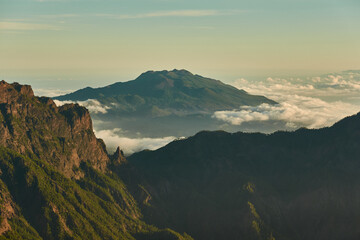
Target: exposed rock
{"x":6,"y":209}
{"x":39,"y":144}
{"x":36,"y":126}
{"x":118,"y":157}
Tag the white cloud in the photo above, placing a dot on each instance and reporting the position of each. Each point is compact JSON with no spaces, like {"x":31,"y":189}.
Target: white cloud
{"x":94,"y":106}
{"x":296,"y":112}
{"x":335,"y":86}
{"x":177,"y":13}
{"x":113,"y":138}
{"x":27,"y":26}
{"x":50,"y":92}
{"x":312,"y":102}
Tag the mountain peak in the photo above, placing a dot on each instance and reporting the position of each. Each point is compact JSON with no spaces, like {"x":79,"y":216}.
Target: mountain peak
{"x":171,"y":91}
{"x":118,"y":157}
{"x":175,"y":73}
{"x":36,"y":126}
{"x":181,"y":71}
{"x":10,"y":92}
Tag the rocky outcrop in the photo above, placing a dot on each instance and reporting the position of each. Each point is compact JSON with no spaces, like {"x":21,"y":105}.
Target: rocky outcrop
{"x":118,"y":157}
{"x":6,"y":208}
{"x":35,"y":126}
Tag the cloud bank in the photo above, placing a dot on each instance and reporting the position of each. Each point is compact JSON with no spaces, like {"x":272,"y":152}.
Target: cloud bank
{"x":50,"y":92}
{"x":312,"y":102}
{"x":340,"y":86}
{"x":94,"y":106}
{"x":296,"y":112}
{"x":114,"y":139}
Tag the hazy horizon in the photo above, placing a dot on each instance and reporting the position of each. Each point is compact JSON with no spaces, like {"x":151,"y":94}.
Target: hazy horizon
{"x":75,"y":41}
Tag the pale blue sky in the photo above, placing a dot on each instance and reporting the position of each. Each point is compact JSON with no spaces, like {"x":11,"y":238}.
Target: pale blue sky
{"x":112,"y":40}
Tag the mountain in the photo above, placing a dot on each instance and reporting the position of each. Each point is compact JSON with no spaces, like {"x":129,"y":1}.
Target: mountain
{"x":160,"y":104}
{"x":287,"y":185}
{"x":168,"y":92}
{"x":56,"y":180}
{"x":36,"y":127}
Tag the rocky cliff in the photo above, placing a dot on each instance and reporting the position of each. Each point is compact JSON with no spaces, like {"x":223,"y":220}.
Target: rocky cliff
{"x":35,"y":126}
{"x":55,"y":181}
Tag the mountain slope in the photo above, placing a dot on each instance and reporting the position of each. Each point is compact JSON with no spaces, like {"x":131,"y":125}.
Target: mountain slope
{"x":55,"y":176}
{"x":166,"y":92}
{"x":44,"y":204}
{"x":287,"y":185}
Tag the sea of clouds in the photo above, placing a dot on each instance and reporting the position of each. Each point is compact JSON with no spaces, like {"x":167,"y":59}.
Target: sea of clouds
{"x":116,"y":137}
{"x":311,"y":102}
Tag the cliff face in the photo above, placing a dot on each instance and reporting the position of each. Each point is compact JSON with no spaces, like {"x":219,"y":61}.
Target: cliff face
{"x":39,"y":144}
{"x":36,"y":127}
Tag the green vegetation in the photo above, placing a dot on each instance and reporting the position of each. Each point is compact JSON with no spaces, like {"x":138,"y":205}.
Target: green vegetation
{"x":286,"y":185}
{"x":96,"y":207}
{"x":250,"y":187}
{"x":54,"y":177}
{"x":253,"y":210}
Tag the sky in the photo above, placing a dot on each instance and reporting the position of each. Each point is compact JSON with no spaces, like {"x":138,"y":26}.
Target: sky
{"x":69,"y":44}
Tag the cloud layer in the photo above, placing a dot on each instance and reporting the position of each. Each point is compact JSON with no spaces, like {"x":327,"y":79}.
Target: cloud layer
{"x":114,"y":138}
{"x":311,"y":102}
{"x":295,"y":112}
{"x":340,"y":86}
{"x":94,"y":106}
{"x":50,"y":92}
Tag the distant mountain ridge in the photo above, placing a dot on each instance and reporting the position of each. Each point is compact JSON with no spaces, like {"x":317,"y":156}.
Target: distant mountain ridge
{"x":168,"y":92}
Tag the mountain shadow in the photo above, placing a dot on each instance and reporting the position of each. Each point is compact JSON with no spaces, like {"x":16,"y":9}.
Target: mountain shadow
{"x":287,"y":185}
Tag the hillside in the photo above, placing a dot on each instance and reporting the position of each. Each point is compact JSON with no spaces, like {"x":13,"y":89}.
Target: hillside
{"x":167,"y":92}
{"x":55,"y":176}
{"x":287,"y":185}
{"x":161,"y":104}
